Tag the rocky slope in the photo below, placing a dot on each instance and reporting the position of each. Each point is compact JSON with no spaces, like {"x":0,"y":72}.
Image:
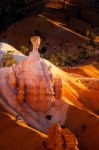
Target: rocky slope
{"x":17,"y":135}
{"x":82,"y":118}
{"x":81,"y":115}
{"x":66,"y":28}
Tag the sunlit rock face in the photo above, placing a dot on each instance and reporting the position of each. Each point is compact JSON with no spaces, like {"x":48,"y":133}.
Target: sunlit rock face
{"x":33,"y":88}
{"x":40,"y":93}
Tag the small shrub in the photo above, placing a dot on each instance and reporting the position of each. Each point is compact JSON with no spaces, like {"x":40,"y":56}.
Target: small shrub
{"x":59,"y":59}
{"x":74,"y":56}
{"x":91,"y":35}
{"x":24,"y":50}
{"x":7,"y":59}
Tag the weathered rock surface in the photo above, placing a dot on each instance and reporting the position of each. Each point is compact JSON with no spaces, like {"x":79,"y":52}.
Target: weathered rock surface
{"x":32,"y":90}
{"x":74,"y":105}
{"x":29,"y":138}
{"x":41,"y":94}
{"x":61,"y":139}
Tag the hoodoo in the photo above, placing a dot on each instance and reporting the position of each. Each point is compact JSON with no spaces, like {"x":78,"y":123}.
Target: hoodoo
{"x":39,"y":93}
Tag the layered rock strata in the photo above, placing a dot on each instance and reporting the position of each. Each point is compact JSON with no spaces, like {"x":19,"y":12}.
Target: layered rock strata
{"x":40,"y":93}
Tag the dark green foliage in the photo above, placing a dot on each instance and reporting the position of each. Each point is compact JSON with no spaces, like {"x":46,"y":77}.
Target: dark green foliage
{"x":91,"y":35}
{"x":7,"y":59}
{"x":24,"y":50}
{"x":82,"y":53}
{"x":59,"y":59}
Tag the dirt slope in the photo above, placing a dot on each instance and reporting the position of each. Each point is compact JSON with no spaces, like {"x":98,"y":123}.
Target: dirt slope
{"x":18,"y":136}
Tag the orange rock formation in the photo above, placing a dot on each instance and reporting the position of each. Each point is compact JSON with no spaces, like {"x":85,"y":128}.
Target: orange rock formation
{"x":69,"y":98}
